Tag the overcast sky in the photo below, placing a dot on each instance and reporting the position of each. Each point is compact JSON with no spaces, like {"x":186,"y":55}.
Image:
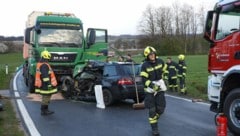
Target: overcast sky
{"x":118,"y":16}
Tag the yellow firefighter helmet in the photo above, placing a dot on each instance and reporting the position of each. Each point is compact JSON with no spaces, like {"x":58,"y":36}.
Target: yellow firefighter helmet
{"x":181,"y":57}
{"x":45,"y":54}
{"x":148,"y":50}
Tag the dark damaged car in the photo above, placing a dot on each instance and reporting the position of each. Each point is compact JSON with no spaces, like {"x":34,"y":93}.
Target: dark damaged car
{"x":117,"y":80}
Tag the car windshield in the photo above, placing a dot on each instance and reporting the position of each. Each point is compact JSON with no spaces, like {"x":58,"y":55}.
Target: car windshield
{"x":60,"y":38}
{"x":130,"y":69}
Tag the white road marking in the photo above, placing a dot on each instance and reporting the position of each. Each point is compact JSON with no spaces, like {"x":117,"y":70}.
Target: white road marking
{"x":185,"y":99}
{"x":16,"y":94}
{"x":26,"y":117}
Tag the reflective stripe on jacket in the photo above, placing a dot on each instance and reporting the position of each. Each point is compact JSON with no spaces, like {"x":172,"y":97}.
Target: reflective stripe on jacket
{"x":152,"y":72}
{"x":39,"y":80}
{"x":182,"y":69}
{"x":172,"y":70}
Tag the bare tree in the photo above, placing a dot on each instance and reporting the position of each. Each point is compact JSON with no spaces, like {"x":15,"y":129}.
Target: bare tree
{"x":164,"y":21}
{"x":193,"y":24}
{"x":178,"y":26}
{"x":201,"y":17}
{"x":176,"y":14}
{"x":147,"y":24}
{"x":185,"y":18}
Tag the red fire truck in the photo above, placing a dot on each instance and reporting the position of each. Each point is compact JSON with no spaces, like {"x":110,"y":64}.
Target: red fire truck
{"x":222,"y":30}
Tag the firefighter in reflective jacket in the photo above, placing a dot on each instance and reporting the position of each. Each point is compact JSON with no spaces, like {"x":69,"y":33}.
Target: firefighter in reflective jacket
{"x":152,"y":72}
{"x":182,"y":69}
{"x":171,"y":74}
{"x":45,"y":82}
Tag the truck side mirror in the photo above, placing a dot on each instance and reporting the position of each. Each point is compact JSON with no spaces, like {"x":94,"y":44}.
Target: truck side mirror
{"x":208,"y":26}
{"x":27,"y":36}
{"x":91,"y":37}
{"x":38,"y":29}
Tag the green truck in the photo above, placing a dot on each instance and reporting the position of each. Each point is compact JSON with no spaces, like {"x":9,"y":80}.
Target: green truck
{"x":62,"y":34}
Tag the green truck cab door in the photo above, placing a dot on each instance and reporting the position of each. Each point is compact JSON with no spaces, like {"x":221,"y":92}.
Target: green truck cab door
{"x":96,"y":44}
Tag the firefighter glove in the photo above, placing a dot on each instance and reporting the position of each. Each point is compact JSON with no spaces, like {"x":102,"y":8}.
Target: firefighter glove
{"x":155,"y":87}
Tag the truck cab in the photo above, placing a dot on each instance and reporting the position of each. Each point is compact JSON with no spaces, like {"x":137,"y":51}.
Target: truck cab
{"x":62,"y":34}
{"x":222,"y":30}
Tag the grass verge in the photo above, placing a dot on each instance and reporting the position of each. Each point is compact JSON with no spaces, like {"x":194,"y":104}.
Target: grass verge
{"x":9,"y":123}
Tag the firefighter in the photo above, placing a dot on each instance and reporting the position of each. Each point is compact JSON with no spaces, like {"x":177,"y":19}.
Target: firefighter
{"x":172,"y":67}
{"x":129,"y":58}
{"x":45,"y":82}
{"x":182,"y":69}
{"x":152,"y":71}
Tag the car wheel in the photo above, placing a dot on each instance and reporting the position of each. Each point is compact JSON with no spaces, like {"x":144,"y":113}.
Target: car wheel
{"x":107,"y":97}
{"x":232,"y":110}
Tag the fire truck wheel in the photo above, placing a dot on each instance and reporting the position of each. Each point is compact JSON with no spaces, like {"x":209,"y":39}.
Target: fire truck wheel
{"x":232,"y":110}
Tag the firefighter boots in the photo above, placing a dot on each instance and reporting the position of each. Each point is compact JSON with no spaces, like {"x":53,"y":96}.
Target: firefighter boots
{"x":45,"y":111}
{"x":155,"y":129}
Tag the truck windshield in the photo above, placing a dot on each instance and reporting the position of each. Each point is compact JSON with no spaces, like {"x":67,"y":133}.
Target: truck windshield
{"x":60,"y":38}
{"x":227,"y":24}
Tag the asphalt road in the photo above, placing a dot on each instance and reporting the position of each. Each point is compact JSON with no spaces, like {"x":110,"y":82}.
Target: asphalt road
{"x":75,"y":118}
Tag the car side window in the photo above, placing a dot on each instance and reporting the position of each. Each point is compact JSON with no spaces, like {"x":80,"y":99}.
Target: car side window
{"x":128,"y":69}
{"x":110,"y":71}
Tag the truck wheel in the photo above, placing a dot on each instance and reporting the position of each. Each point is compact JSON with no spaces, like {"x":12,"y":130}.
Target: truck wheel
{"x":24,"y":75}
{"x":26,"y":81}
{"x":232,"y":110}
{"x":31,"y":87}
{"x":107,"y":97}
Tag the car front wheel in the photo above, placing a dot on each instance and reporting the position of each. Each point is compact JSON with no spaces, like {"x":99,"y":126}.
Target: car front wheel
{"x":107,"y":97}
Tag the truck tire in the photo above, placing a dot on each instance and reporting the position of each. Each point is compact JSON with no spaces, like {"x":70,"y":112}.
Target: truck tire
{"x":107,"y":97}
{"x":26,"y":81}
{"x":24,"y":75}
{"x":31,"y":81}
{"x":232,"y":111}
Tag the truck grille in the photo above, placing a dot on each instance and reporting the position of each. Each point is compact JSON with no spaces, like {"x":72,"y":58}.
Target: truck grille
{"x":62,"y":70}
{"x":63,"y":57}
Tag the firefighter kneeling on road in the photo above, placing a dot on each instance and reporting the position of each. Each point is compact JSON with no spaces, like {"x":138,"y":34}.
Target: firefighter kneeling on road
{"x":152,"y":72}
{"x":45,"y":82}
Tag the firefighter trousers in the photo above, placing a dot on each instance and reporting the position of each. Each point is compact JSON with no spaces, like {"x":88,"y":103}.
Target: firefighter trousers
{"x":182,"y":84}
{"x":155,"y":103}
{"x":46,"y":99}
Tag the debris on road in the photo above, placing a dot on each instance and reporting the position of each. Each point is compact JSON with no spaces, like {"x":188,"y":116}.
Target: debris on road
{"x":197,"y":100}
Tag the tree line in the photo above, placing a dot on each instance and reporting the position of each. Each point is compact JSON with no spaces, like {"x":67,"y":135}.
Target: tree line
{"x":174,"y":30}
